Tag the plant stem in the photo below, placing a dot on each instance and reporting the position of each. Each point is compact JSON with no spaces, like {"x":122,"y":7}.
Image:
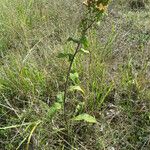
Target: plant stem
{"x":79,"y":46}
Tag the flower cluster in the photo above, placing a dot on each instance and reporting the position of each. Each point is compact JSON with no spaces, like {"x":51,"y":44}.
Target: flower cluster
{"x":100,"y":5}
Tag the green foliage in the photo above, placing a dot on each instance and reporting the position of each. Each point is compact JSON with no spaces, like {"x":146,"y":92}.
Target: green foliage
{"x":85,"y":117}
{"x":53,"y":110}
{"x":74,"y":77}
{"x":76,"y":88}
{"x":66,"y":55}
{"x":60,"y":97}
{"x":84,"y":41}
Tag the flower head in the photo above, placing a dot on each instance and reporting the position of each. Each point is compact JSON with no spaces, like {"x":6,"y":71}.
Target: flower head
{"x":98,"y":4}
{"x":101,"y":7}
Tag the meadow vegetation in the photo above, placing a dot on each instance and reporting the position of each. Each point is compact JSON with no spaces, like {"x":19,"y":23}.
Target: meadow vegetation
{"x":107,"y":106}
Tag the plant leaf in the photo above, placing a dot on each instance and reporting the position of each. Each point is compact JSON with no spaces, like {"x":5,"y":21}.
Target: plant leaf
{"x":54,"y":109}
{"x":84,"y":51}
{"x":30,"y":135}
{"x":60,"y":97}
{"x":76,"y":88}
{"x":62,"y":55}
{"x":74,"y":77}
{"x":18,"y":125}
{"x":65,"y":55}
{"x":85,"y":117}
{"x":73,"y":40}
{"x":84,"y":41}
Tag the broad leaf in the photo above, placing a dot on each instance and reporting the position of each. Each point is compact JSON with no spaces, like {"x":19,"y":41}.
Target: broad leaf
{"x":73,"y":40}
{"x":85,"y":117}
{"x":65,"y":55}
{"x":54,"y":109}
{"x":74,"y":77}
{"x":84,"y":41}
{"x":76,"y":88}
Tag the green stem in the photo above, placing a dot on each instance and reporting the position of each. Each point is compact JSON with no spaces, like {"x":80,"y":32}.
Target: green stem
{"x":79,"y":46}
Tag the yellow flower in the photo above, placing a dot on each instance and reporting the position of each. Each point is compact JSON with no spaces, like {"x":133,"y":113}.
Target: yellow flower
{"x":96,"y":4}
{"x":102,"y":7}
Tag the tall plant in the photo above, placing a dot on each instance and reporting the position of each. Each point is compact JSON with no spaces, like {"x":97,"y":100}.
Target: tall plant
{"x":94,"y":11}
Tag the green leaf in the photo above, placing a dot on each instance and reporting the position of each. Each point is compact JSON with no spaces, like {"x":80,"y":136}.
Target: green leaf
{"x":84,"y":51}
{"x":19,"y":125}
{"x":74,"y":77}
{"x":84,"y":41}
{"x":62,"y":55}
{"x":65,"y":55}
{"x":85,"y":117}
{"x":76,"y":88}
{"x":54,"y":109}
{"x":30,"y":134}
{"x":73,"y":40}
{"x":60,"y":97}
{"x":57,"y":106}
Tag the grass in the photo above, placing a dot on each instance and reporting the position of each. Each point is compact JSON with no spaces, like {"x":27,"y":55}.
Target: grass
{"x":114,"y":76}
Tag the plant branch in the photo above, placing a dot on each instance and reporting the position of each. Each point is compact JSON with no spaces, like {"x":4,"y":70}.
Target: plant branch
{"x":79,"y":46}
